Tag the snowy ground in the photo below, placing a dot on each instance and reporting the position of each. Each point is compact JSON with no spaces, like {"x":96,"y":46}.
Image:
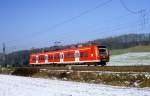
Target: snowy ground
{"x":129,"y":59}
{"x":25,"y":86}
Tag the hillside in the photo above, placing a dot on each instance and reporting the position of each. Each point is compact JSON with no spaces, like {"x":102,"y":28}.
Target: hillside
{"x":118,"y":45}
{"x":124,"y":41}
{"x":131,"y":49}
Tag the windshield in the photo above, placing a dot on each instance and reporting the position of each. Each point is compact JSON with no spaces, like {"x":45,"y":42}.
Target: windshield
{"x":103,"y":51}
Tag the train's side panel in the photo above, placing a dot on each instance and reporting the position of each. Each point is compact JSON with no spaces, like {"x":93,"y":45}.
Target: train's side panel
{"x":50,"y":58}
{"x":69,"y":56}
{"x":88,"y":54}
{"x":32,"y":59}
{"x":93,"y":54}
{"x":41,"y":58}
{"x":76,"y":55}
{"x":84,"y":54}
{"x":56,"y":57}
{"x":96,"y":53}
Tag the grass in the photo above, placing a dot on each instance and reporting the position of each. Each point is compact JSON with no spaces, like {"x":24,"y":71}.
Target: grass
{"x":132,"y":49}
{"x":145,"y":83}
{"x":114,"y":68}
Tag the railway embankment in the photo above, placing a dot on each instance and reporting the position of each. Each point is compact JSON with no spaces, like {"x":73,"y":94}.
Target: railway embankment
{"x":138,"y":77}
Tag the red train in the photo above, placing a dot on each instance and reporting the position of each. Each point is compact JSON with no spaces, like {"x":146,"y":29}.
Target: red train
{"x":96,"y":55}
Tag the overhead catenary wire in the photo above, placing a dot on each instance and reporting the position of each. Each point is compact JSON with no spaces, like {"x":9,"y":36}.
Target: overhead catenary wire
{"x":129,"y":10}
{"x":112,"y":29}
{"x":108,"y":30}
{"x":81,"y":14}
{"x":141,"y":12}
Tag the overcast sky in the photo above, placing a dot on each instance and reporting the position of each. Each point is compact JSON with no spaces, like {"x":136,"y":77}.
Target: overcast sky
{"x":39,"y":23}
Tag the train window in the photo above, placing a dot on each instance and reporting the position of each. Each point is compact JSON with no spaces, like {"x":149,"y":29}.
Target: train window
{"x":34,"y":58}
{"x":102,"y":50}
{"x":83,"y":54}
{"x":67,"y":55}
{"x":41,"y":58}
{"x":72,"y":55}
{"x":50,"y":57}
{"x":56,"y":56}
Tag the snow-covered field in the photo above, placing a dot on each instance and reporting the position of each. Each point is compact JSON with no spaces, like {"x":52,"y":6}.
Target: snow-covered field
{"x":129,"y":59}
{"x":26,"y":86}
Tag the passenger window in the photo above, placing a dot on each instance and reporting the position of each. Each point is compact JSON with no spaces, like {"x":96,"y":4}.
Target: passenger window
{"x":83,"y":54}
{"x":41,"y":58}
{"x":67,"y":55}
{"x":86,"y":54}
{"x":72,"y":55}
{"x":50,"y":57}
{"x":34,"y":58}
{"x":56,"y":56}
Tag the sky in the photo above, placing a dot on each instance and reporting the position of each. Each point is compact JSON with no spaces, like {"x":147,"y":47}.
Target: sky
{"x":26,"y":24}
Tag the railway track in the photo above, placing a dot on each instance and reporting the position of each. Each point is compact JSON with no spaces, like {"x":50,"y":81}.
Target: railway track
{"x":91,"y":68}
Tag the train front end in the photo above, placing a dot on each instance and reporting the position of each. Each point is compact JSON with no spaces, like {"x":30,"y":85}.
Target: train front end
{"x":103,"y":55}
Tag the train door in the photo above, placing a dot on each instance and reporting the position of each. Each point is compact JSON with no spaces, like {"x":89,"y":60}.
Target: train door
{"x":46,"y":58}
{"x":77,"y":56}
{"x":37,"y":58}
{"x":61,"y":57}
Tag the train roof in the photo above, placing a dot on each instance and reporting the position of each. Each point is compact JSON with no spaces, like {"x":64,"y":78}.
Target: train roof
{"x":55,"y":51}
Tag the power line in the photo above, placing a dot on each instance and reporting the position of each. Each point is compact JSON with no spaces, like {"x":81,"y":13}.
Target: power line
{"x":114,"y":19}
{"x":142,"y":13}
{"x":143,"y":20}
{"x":129,"y":10}
{"x":100,"y":31}
{"x":113,"y":29}
{"x":81,"y":14}
{"x":4,"y":55}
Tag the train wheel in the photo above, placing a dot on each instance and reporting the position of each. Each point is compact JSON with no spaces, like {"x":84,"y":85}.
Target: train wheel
{"x":32,"y":65}
{"x":95,"y":64}
{"x":54,"y":65}
{"x":102,"y":63}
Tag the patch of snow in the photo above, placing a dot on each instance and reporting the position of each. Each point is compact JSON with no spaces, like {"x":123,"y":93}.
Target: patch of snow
{"x":130,"y":59}
{"x":26,"y":86}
